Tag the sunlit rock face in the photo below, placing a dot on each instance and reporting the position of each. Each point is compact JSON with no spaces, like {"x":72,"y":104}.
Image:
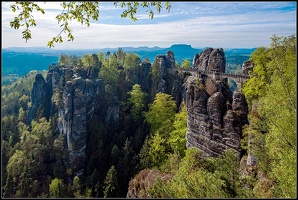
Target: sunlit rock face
{"x":80,"y":99}
{"x":247,"y":66}
{"x":214,"y":120}
{"x":169,"y":82}
{"x":210,"y":60}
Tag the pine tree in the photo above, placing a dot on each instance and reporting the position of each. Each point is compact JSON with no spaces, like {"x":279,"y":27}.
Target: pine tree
{"x":111,"y":183}
{"x":56,"y":188}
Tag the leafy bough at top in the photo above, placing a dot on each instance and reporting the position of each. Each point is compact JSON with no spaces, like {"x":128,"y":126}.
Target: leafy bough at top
{"x":83,"y":12}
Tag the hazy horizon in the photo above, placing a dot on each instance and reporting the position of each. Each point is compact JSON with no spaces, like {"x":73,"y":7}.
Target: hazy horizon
{"x":150,"y":47}
{"x":199,"y":24}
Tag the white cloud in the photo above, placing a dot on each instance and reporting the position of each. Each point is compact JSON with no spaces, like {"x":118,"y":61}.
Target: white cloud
{"x":156,"y":15}
{"x":50,"y":5}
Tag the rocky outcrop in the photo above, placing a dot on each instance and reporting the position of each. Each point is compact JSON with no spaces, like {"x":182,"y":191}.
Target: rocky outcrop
{"x":210,"y":60}
{"x":247,"y":66}
{"x":170,"y":59}
{"x":143,"y":180}
{"x":216,"y":107}
{"x":215,"y":115}
{"x":240,"y":106}
{"x":111,"y":103}
{"x":140,"y":75}
{"x":56,"y":78}
{"x":166,"y":81}
{"x":214,"y":119}
{"x":80,"y":98}
{"x":144,"y":77}
{"x":165,"y":62}
{"x":201,"y":60}
{"x":40,"y":99}
{"x":75,"y":95}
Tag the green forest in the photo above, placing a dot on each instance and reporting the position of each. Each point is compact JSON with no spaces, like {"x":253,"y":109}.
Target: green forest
{"x":151,"y":135}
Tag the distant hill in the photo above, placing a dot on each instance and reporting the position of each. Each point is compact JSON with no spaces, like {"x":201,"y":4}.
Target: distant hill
{"x":21,"y":63}
{"x":240,"y":51}
{"x":21,"y":60}
{"x":184,"y":51}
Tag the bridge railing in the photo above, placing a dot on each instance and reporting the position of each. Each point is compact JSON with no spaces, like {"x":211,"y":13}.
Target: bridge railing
{"x":210,"y":72}
{"x":236,"y":76}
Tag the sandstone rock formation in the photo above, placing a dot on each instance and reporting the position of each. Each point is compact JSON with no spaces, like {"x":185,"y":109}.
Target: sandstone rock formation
{"x":240,"y":106}
{"x":143,"y":180}
{"x":144,"y":77}
{"x":210,"y":60}
{"x":40,"y":98}
{"x":167,"y":82}
{"x":170,"y":58}
{"x":214,"y":118}
{"x":247,"y":66}
{"x":75,"y":95}
{"x":80,"y":97}
{"x":79,"y":94}
{"x":215,"y":115}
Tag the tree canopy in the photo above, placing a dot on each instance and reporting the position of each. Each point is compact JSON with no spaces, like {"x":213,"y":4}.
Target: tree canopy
{"x":161,"y":110}
{"x":272,"y":89}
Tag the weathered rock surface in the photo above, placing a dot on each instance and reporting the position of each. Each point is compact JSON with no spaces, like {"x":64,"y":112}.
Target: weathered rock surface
{"x":144,"y":77}
{"x":56,"y":77}
{"x":40,"y":98}
{"x":111,"y":103}
{"x":81,"y":95}
{"x":170,"y":58}
{"x":240,"y":106}
{"x":75,"y":95}
{"x":210,"y":60}
{"x":215,"y":115}
{"x":247,"y":66}
{"x":169,"y":82}
{"x":143,"y":180}
{"x":214,"y":120}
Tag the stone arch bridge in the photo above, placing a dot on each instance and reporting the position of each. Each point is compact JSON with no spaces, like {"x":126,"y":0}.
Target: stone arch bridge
{"x":239,"y":79}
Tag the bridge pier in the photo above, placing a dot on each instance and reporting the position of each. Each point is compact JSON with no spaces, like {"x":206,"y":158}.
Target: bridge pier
{"x":239,"y":86}
{"x":216,"y":76}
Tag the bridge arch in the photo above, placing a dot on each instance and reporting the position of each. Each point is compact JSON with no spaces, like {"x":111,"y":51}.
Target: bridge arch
{"x":239,"y":79}
{"x":233,"y":85}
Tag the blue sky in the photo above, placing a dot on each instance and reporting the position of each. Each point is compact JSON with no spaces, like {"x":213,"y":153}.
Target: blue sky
{"x":200,"y":24}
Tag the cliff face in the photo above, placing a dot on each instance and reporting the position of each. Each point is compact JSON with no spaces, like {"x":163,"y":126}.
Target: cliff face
{"x":129,"y":78}
{"x":76,"y":95}
{"x":214,"y":124}
{"x":215,"y":115}
{"x":80,"y":99}
{"x":169,"y":82}
{"x":40,"y":97}
{"x":210,"y":60}
{"x":247,"y":66}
